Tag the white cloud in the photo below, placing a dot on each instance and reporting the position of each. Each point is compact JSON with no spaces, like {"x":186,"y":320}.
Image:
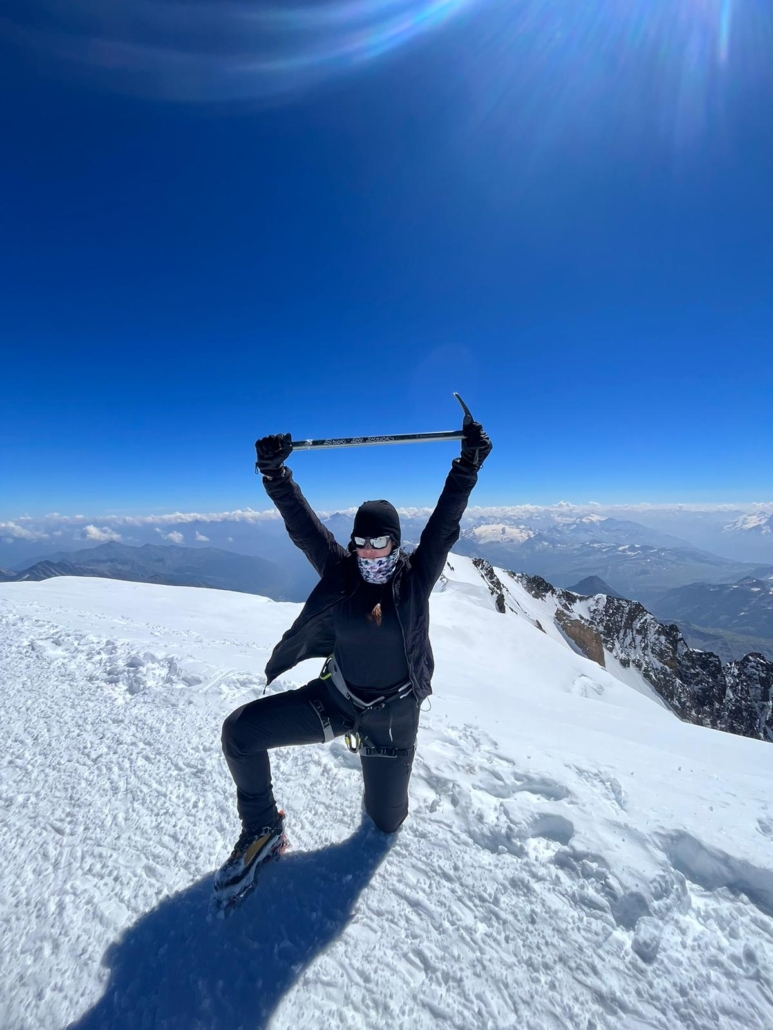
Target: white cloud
{"x":12,"y":531}
{"x":566,"y":507}
{"x":171,"y":526}
{"x":174,"y":536}
{"x":176,"y":518}
{"x":102,"y":535}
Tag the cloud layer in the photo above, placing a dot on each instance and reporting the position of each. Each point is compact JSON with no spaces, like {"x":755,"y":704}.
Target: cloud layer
{"x":179,"y":527}
{"x":739,"y":532}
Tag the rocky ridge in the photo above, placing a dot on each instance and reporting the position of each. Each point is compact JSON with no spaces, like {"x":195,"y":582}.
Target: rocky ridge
{"x":736,"y":697}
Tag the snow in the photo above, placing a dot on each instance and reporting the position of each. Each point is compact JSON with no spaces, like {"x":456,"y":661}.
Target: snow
{"x":752,"y":521}
{"x":496,"y":532}
{"x":575,"y":856}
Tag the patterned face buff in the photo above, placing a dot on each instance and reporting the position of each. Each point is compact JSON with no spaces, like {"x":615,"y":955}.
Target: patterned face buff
{"x":378,"y":570}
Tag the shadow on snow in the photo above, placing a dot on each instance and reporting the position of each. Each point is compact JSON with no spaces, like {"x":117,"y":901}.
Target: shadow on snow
{"x":179,"y":970}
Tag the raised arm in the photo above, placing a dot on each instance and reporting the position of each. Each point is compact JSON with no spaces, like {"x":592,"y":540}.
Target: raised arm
{"x":305,"y":530}
{"x":442,"y":530}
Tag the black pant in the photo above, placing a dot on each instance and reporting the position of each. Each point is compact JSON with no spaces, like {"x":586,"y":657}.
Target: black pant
{"x":293,"y":717}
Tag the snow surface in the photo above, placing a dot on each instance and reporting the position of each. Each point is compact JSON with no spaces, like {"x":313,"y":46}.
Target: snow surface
{"x":497,"y":532}
{"x":575,"y":856}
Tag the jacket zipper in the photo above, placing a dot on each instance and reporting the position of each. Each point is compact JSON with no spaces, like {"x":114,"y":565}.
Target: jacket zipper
{"x":402,"y":634}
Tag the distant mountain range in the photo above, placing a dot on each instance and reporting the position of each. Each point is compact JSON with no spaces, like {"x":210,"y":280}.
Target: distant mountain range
{"x":743,"y":533}
{"x":740,"y":615}
{"x":633,"y":560}
{"x":719,"y":603}
{"x":643,"y":568}
{"x":758,"y":525}
{"x":173,"y":566}
{"x":742,"y":607}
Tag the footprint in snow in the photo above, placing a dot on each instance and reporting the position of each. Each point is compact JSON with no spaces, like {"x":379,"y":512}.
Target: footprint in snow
{"x":553,"y":827}
{"x":584,"y":686}
{"x":607,"y":786}
{"x":500,"y":786}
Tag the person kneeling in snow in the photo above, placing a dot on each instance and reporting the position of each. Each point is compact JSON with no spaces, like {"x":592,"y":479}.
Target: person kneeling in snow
{"x":369,"y":618}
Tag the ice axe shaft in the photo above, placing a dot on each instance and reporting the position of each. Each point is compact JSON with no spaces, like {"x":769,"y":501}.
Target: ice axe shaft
{"x":367,"y":441}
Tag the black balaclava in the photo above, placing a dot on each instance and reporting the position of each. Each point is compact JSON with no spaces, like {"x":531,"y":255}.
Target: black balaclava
{"x":377,"y":518}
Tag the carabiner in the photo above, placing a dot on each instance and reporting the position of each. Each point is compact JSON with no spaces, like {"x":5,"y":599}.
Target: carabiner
{"x":348,"y":741}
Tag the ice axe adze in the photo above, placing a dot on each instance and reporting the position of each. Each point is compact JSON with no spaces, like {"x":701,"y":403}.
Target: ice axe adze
{"x":364,"y":441}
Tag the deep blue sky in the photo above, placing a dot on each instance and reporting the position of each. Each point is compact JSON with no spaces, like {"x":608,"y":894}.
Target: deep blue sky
{"x":568,"y":219}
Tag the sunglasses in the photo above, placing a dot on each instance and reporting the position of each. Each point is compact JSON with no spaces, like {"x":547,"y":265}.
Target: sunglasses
{"x":376,"y":542}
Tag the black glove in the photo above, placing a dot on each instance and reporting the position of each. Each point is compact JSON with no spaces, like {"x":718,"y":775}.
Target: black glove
{"x":272,"y":452}
{"x":476,"y":445}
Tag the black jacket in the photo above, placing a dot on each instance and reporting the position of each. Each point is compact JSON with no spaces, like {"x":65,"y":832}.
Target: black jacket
{"x":311,"y":635}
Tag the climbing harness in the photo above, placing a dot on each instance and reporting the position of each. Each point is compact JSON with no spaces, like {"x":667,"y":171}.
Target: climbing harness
{"x":352,"y":737}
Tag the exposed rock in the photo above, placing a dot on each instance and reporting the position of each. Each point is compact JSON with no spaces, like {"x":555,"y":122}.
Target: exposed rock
{"x":493,"y":581}
{"x":586,"y":637}
{"x":535,"y":585}
{"x":737,"y":697}
{"x":749,"y":697}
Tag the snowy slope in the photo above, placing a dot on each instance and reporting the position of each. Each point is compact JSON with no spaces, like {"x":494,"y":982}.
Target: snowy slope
{"x":575,"y":857}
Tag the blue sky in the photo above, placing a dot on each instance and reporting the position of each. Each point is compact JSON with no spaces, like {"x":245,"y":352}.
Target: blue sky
{"x":561,"y":210}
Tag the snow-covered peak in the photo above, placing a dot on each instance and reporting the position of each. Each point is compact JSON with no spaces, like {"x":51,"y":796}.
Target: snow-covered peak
{"x":497,"y":532}
{"x":757,"y":522}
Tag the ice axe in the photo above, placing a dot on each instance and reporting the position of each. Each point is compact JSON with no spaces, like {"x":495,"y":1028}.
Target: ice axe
{"x":365,"y":441}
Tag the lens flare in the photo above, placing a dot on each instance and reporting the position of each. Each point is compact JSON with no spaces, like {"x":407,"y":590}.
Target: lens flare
{"x":222,"y":51}
{"x":589,"y":73}
{"x":725,"y":18}
{"x":549,"y":57}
